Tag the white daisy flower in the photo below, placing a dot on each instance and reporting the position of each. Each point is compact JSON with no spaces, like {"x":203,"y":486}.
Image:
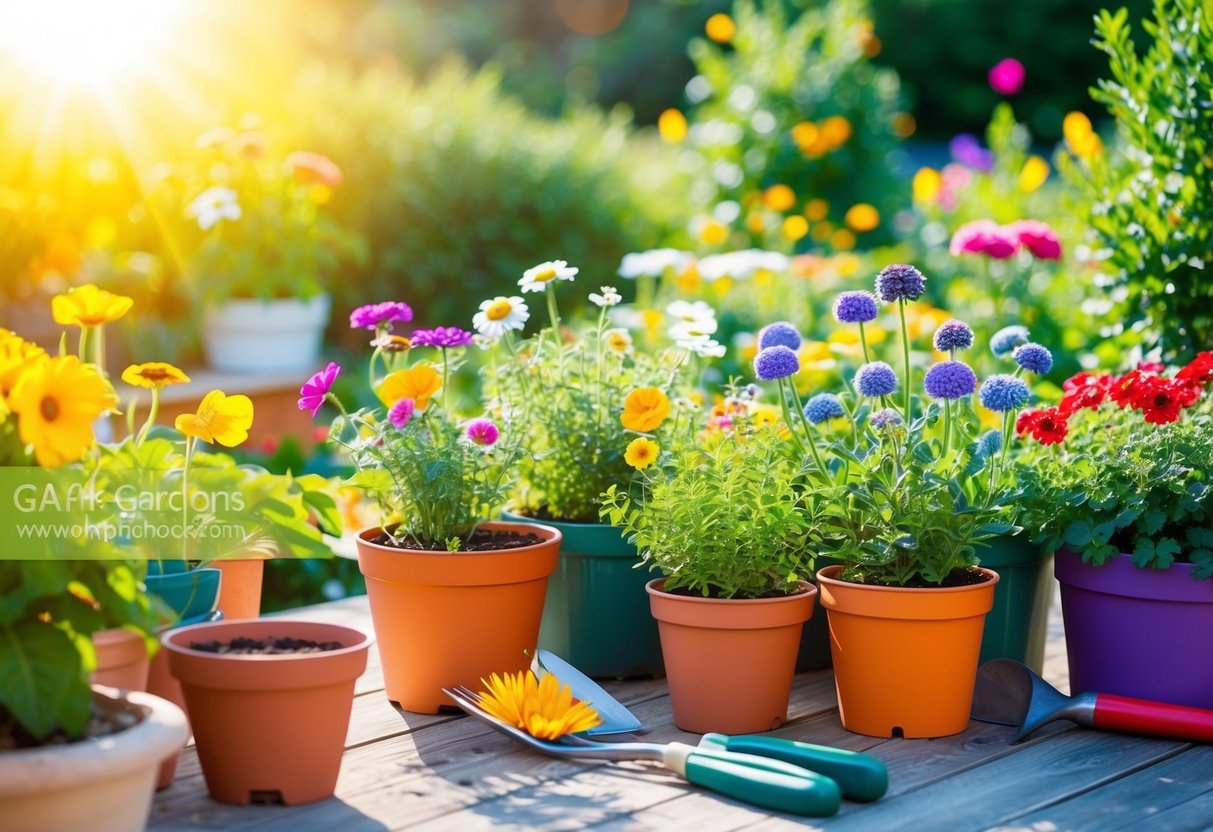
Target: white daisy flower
{"x":536,"y":279}
{"x":618,"y":341}
{"x":212,"y":205}
{"x":706,"y":347}
{"x":655,"y":262}
{"x":500,"y":315}
{"x":610,"y":296}
{"x":692,"y":312}
{"x":687,"y":333}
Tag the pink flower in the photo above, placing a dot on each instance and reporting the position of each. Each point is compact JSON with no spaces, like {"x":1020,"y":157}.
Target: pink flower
{"x":984,"y":237}
{"x":314,"y":391}
{"x":1038,"y":238}
{"x":313,"y":169}
{"x":1007,"y":76}
{"x":402,"y":412}
{"x":482,"y":432}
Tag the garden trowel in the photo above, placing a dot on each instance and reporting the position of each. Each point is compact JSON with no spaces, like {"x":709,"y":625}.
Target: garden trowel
{"x":1008,"y":693}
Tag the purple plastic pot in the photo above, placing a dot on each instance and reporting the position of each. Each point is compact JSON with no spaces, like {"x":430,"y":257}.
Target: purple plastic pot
{"x":1137,"y":632}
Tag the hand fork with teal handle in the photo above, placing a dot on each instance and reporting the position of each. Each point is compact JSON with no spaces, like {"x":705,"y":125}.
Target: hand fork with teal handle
{"x":759,"y":780}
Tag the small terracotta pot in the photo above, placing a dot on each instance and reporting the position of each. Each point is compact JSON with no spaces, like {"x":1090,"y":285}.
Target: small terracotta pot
{"x":240,"y":589}
{"x":268,"y":725}
{"x":160,"y":682}
{"x":905,"y":660}
{"x":122,"y":660}
{"x":729,"y":663}
{"x":451,"y":618}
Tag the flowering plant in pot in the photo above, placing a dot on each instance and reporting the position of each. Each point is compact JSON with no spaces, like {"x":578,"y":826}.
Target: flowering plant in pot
{"x":453,"y":595}
{"x":584,"y":395}
{"x":1119,"y":486}
{"x":723,"y":514}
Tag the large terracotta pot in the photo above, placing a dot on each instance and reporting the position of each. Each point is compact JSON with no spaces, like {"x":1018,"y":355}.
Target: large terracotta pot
{"x":269,"y":726}
{"x":444,"y":618}
{"x":103,"y":784}
{"x":122,"y":660}
{"x":240,"y":590}
{"x":730,"y":663}
{"x":905,"y":660}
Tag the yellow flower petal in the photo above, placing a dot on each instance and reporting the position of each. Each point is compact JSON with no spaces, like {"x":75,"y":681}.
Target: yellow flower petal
{"x":544,"y":708}
{"x":641,"y":453}
{"x":89,"y":305}
{"x":57,"y":400}
{"x":153,"y":375}
{"x":644,"y":409}
{"x":220,"y":419}
{"x":418,"y":383}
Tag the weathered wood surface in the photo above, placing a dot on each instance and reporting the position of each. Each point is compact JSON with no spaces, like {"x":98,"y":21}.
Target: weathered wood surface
{"x":446,"y":772}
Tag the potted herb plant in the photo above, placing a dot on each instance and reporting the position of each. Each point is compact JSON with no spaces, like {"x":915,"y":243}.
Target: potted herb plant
{"x":724,"y":517}
{"x":453,"y":595}
{"x":1119,"y":486}
{"x":584,"y":396}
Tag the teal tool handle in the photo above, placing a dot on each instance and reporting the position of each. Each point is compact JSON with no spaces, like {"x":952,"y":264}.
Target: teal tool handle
{"x":860,"y":776}
{"x":764,"y":781}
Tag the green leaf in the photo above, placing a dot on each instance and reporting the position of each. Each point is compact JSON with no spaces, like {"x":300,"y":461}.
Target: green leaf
{"x":42,"y":681}
{"x":1078,"y":533}
{"x":1153,"y":520}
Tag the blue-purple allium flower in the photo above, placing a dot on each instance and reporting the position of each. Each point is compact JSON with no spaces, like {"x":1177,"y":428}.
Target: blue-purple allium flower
{"x":953,"y":335}
{"x":886,"y":418}
{"x":875,"y":379}
{"x":374,"y":315}
{"x":855,"y":308}
{"x":1002,"y":392}
{"x":1008,"y":338}
{"x":777,"y":334}
{"x":482,"y":432}
{"x":989,"y":443}
{"x":776,"y":362}
{"x":442,"y":337}
{"x":899,"y":282}
{"x":966,"y":149}
{"x":822,"y":408}
{"x":316,"y":389}
{"x":950,"y":380}
{"x":1034,"y":358}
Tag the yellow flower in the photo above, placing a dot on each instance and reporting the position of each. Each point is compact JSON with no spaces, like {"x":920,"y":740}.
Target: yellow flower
{"x":57,"y":401}
{"x":713,"y":232}
{"x":927,"y":183}
{"x":862,"y":217}
{"x":644,"y":409}
{"x":816,"y":210}
{"x":641,"y":453}
{"x":1033,"y":174}
{"x":672,"y":125}
{"x":689,"y":281}
{"x":618,"y":341}
{"x":418,"y":383}
{"x":543,"y":708}
{"x":764,"y":417}
{"x":805,"y":135}
{"x":779,"y":198}
{"x":220,"y":418}
{"x":795,"y":227}
{"x":814,"y":351}
{"x":721,"y":28}
{"x":842,"y":240}
{"x":835,"y":130}
{"x":1080,"y":137}
{"x":153,"y":375}
{"x":16,"y":355}
{"x":89,"y":306}
{"x":652,"y":322}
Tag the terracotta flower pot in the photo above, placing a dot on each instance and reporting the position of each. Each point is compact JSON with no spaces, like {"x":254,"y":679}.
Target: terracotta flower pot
{"x":102,"y":784}
{"x":905,"y":660}
{"x":729,"y":663}
{"x":122,"y":660}
{"x":269,"y":725}
{"x":240,"y":589}
{"x":444,"y":618}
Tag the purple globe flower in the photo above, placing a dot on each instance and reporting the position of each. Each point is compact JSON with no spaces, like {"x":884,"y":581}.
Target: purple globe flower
{"x":1034,"y":358}
{"x":442,"y":337}
{"x":1008,"y":338}
{"x":776,"y":362}
{"x":855,"y":307}
{"x":1002,"y":392}
{"x":886,"y":418}
{"x":875,"y":379}
{"x":822,"y":408}
{"x":953,"y":335}
{"x":900,"y":282}
{"x":315,"y":390}
{"x":375,"y":315}
{"x":950,"y":380}
{"x":780,"y":333}
{"x":482,"y":432}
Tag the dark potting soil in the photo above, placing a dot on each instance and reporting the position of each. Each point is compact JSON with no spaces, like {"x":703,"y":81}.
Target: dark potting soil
{"x":102,"y":723}
{"x":483,"y":540}
{"x":957,"y":577}
{"x":268,"y":646}
{"x":715,"y":594}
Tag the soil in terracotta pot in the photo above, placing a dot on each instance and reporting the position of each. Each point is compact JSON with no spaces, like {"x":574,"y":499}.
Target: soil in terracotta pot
{"x":102,"y":724}
{"x":483,"y":540}
{"x":957,"y":577}
{"x":268,"y":646}
{"x":715,"y":593}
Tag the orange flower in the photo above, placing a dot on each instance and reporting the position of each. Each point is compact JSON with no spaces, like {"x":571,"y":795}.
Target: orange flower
{"x":418,"y":383}
{"x":644,"y":409}
{"x":313,"y":169}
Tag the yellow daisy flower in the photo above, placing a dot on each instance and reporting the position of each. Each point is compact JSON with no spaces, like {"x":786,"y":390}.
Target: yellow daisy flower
{"x":543,"y":708}
{"x":221,"y":419}
{"x":153,"y":375}
{"x":644,"y":409}
{"x":89,"y":306}
{"x":16,"y":356}
{"x":418,"y":383}
{"x":57,"y":401}
{"x":641,"y":453}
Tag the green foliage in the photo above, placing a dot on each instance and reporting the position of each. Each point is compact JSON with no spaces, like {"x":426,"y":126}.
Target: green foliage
{"x":1153,"y":210}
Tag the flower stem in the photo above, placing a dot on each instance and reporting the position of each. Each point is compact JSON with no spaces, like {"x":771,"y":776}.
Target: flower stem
{"x":151,"y":417}
{"x":947,"y":425}
{"x":446,"y":387}
{"x":553,"y":312}
{"x":185,"y":501}
{"x":905,"y":353}
{"x":863,"y":339}
{"x":787,"y":416}
{"x":808,"y":429}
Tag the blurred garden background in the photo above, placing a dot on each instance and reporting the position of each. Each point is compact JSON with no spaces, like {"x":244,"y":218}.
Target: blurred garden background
{"x":188,"y":152}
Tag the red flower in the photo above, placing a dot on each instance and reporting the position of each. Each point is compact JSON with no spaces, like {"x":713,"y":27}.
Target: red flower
{"x":1199,"y":369}
{"x":1160,"y":399}
{"x":1085,"y":390}
{"x":1122,"y":389}
{"x":1026,"y":421}
{"x":1049,"y":426}
{"x":1151,"y":368}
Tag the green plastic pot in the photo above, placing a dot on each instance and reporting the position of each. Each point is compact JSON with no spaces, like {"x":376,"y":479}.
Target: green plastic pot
{"x":596,"y":614}
{"x":1017,"y":626}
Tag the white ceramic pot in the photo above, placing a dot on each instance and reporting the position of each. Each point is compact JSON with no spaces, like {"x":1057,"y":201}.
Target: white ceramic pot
{"x":266,"y":336}
{"x":104,"y":784}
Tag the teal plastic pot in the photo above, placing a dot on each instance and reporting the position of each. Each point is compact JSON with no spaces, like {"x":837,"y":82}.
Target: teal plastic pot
{"x":191,"y":594}
{"x":815,"y":640}
{"x":1017,"y":625}
{"x":596,"y":614}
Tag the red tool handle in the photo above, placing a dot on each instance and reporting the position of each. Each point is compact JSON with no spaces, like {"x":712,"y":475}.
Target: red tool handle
{"x":1141,"y":716}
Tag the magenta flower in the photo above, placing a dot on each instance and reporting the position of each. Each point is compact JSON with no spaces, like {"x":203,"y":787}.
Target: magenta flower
{"x":984,"y":237}
{"x":1038,"y":238}
{"x":375,"y":315}
{"x":482,"y":432}
{"x":314,"y":391}
{"x":1007,"y":76}
{"x":401,"y":412}
{"x":442,"y":337}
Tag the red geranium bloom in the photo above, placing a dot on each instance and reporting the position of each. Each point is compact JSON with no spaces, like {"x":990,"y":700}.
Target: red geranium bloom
{"x":1048,"y":426}
{"x":1199,"y":369}
{"x":1026,"y":420}
{"x":1085,"y":390}
{"x":1151,"y":368}
{"x":1159,"y":399}
{"x":1122,"y":389}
